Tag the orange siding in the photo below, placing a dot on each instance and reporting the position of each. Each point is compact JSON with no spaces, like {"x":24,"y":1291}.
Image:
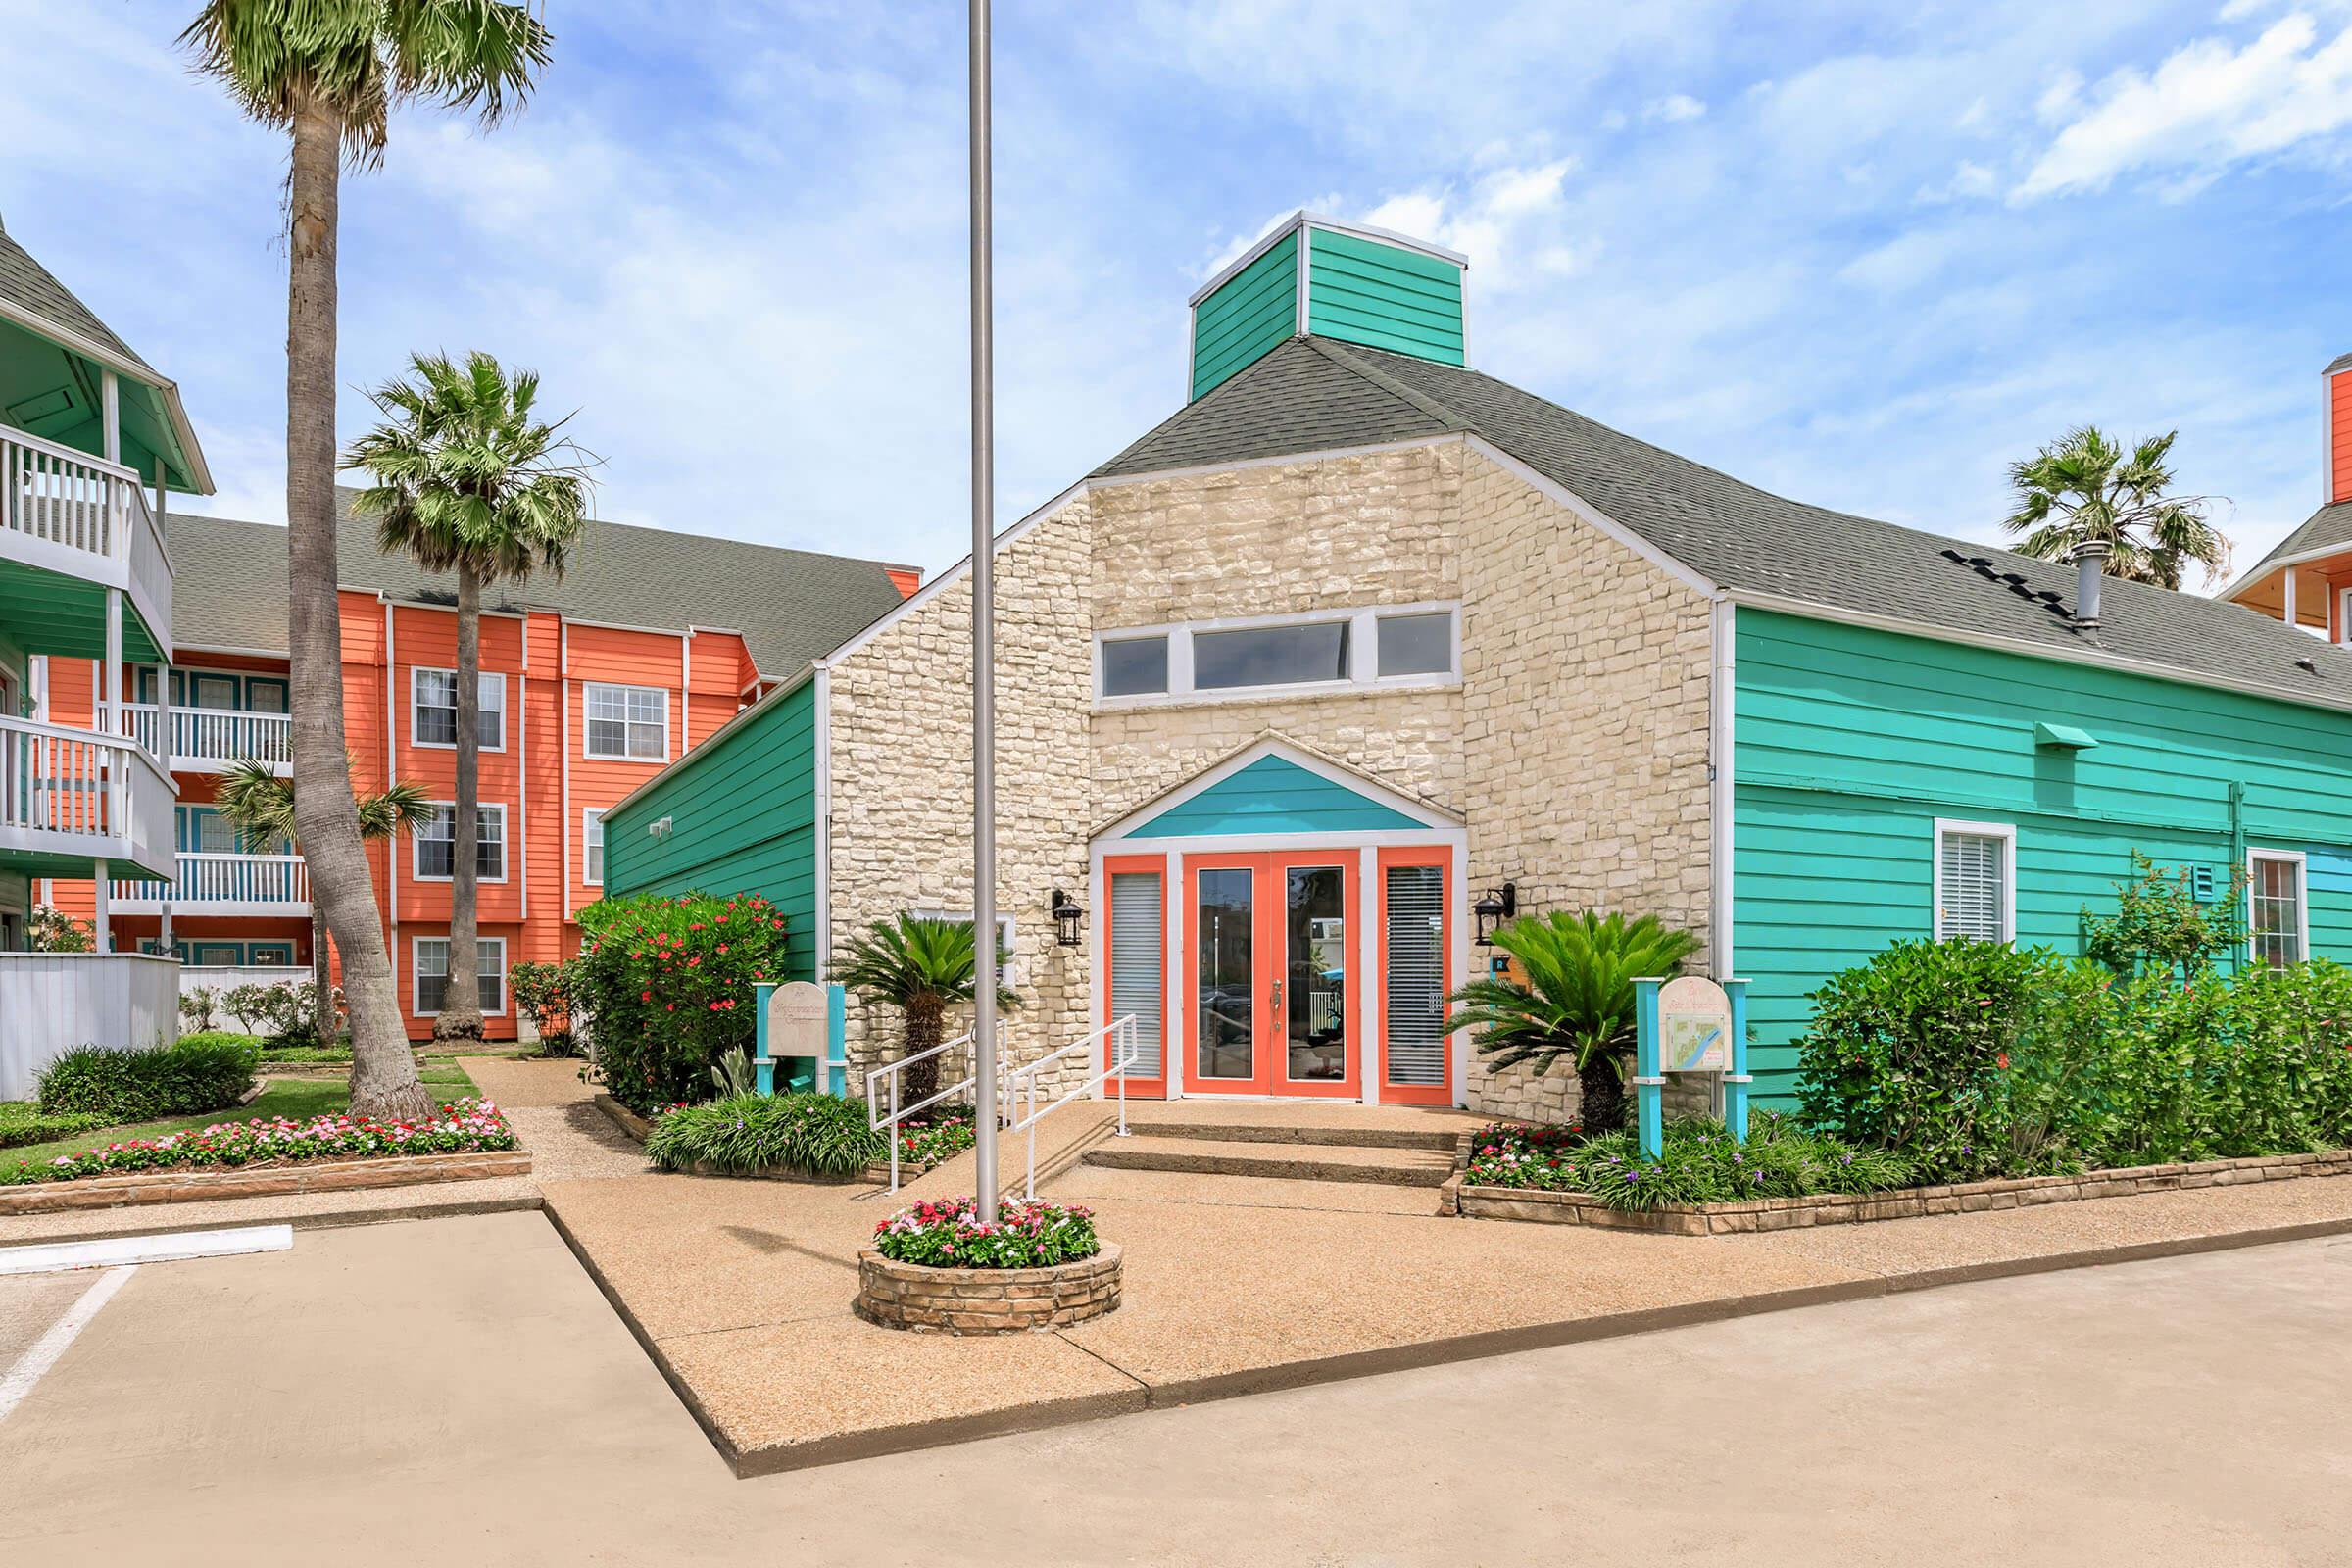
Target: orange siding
{"x":2339,"y":428}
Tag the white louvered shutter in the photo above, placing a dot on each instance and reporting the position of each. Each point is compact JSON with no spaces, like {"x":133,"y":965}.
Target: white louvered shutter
{"x":1976,"y":891}
{"x":1137,"y":960}
{"x":1413,"y":978}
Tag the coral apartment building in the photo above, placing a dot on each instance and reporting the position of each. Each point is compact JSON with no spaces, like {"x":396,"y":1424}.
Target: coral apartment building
{"x":591,"y":685}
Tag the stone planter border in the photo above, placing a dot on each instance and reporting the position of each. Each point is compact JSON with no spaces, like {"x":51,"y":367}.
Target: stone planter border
{"x":987,"y":1301}
{"x":263,"y":1181}
{"x":1909,"y":1202}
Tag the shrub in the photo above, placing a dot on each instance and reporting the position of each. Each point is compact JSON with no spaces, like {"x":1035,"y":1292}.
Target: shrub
{"x":543,"y":991}
{"x":1699,"y":1164}
{"x":2158,"y":923}
{"x":52,"y":930}
{"x":669,"y":982}
{"x":1028,"y":1234}
{"x":464,"y":1127}
{"x":21,"y":1124}
{"x":187,"y":1078}
{"x":746,"y":1134}
{"x":196,"y":1007}
{"x":936,"y":1138}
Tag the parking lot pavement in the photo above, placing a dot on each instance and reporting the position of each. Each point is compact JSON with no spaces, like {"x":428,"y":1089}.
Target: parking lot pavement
{"x":456,"y":1391}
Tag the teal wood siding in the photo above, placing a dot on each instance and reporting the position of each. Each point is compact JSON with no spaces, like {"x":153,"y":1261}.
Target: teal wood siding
{"x":1254,"y":314}
{"x":1385,"y":297}
{"x":1850,"y":743}
{"x":1273,"y":794}
{"x":743,"y":820}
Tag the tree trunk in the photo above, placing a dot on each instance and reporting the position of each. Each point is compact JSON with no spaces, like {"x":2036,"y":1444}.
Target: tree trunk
{"x":921,"y":1082}
{"x":1603,"y":1094}
{"x":383,"y":1070}
{"x":461,"y":1001}
{"x":323,"y":1001}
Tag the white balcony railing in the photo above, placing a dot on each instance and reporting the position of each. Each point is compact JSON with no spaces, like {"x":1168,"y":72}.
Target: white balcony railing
{"x":76,"y":793}
{"x":208,"y":740}
{"x":216,"y":882}
{"x":65,"y":510}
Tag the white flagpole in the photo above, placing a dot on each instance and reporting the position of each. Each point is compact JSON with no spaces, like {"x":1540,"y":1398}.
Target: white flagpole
{"x":984,"y":575}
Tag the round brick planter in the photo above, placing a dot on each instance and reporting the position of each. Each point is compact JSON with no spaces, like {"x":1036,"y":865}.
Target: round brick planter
{"x":986,"y":1301}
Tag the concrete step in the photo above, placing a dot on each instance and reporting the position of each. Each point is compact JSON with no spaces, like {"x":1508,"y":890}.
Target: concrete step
{"x":1333,"y":1137}
{"x":1280,"y":1161}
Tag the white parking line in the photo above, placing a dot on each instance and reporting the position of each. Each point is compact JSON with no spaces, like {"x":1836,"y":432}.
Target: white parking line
{"x":45,"y":1351}
{"x":51,"y":1256}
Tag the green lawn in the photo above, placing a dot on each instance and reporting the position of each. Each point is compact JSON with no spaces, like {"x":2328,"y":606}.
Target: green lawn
{"x":295,"y":1098}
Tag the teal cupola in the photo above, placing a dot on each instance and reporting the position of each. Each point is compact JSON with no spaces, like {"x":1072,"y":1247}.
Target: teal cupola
{"x":1315,"y":275}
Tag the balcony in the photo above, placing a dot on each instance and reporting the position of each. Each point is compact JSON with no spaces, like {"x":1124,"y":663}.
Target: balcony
{"x":69,"y":796}
{"x":71,"y":528}
{"x":215,"y":883}
{"x":212,"y":740}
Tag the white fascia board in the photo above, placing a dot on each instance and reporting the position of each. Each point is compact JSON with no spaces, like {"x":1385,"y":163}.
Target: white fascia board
{"x":2008,"y":645}
{"x":1305,"y":220}
{"x":2263,"y":572}
{"x":1436,"y":818}
{"x":1590,"y":515}
{"x":199,"y":471}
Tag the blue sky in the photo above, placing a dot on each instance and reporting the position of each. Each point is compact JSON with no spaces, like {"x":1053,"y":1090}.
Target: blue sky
{"x":1860,"y":254}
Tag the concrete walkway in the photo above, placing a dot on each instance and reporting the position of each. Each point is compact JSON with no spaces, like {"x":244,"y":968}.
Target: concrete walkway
{"x":457,"y":1389}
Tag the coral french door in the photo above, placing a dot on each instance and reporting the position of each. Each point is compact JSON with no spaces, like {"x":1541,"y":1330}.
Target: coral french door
{"x":1272,"y":1004}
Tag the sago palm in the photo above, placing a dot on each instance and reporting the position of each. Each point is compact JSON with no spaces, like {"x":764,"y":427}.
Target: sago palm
{"x":261,"y":805}
{"x":919,"y":967}
{"x":2084,"y":488}
{"x":469,"y":480}
{"x":1573,"y":996}
{"x":327,"y":72}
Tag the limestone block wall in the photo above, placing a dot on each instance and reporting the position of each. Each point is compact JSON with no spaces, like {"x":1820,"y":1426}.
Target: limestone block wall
{"x":1585,"y":721}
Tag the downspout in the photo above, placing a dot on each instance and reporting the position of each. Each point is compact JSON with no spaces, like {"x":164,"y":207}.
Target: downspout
{"x":563,"y":725}
{"x":391,"y":777}
{"x":2237,"y":852}
{"x":686,"y":692}
{"x":821,"y":932}
{"x":1722,"y":698}
{"x":522,"y":787}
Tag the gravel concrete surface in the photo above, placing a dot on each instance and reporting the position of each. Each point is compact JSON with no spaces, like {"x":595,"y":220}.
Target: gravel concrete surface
{"x":457,"y":1390}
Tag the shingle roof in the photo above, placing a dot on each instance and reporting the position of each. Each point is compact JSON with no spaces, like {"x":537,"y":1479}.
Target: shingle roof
{"x":1314,"y":394}
{"x":2329,"y":528}
{"x":2341,"y":361}
{"x":791,"y":605}
{"x":30,"y":287}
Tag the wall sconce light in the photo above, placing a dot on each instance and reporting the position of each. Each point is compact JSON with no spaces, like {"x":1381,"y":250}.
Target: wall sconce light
{"x":1068,"y":916}
{"x":1493,"y":908}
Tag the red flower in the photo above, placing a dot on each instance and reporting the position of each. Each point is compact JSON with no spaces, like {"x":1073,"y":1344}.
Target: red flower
{"x":645,"y":996}
{"x":2002,"y":1061}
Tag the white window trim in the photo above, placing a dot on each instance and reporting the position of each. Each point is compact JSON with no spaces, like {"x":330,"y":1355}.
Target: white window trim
{"x":2292,"y":858}
{"x":417,"y":973}
{"x":416,"y":670}
{"x":1007,"y":931}
{"x":2006,"y":832}
{"x":591,"y":817}
{"x":1363,"y":656}
{"x":506,"y":856}
{"x":588,"y":689}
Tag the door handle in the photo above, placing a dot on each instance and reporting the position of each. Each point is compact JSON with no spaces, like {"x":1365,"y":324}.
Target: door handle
{"x":1278,"y":994}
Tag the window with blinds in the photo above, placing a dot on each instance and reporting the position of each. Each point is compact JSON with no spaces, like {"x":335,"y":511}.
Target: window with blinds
{"x":1973,"y":896}
{"x":1137,"y":960}
{"x":1413,"y":975}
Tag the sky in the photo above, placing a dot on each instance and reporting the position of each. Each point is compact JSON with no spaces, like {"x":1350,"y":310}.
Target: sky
{"x":1866,"y":254}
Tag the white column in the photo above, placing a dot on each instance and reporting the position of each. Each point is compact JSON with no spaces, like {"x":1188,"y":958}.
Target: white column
{"x":108,"y":718}
{"x":103,"y":874}
{"x":1366,"y":960}
{"x":2291,"y":597}
{"x":110,"y":402}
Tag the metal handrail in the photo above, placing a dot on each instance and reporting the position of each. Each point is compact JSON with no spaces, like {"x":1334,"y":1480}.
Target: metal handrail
{"x":1122,"y":1057}
{"x":898,"y":1113}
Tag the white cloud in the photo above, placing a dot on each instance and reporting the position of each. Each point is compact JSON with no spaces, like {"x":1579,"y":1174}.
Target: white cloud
{"x":1970,"y":182}
{"x":2206,"y":107}
{"x":1500,"y":221}
{"x":1672,"y":108}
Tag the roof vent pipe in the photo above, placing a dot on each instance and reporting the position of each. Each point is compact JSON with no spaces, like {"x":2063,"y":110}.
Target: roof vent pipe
{"x":2091,"y":573}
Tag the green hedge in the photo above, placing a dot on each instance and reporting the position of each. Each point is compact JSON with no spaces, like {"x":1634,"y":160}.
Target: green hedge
{"x":667,"y":983}
{"x":196,"y":1074}
{"x":749,"y":1135}
{"x":21,"y":1124}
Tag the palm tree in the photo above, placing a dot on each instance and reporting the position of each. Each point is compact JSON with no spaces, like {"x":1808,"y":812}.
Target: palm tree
{"x":261,"y":805}
{"x":1577,"y":999}
{"x":918,"y":966}
{"x":468,"y":480}
{"x":327,"y":72}
{"x":2083,"y":488}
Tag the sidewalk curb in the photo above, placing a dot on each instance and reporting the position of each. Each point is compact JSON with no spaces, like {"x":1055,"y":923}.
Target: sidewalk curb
{"x":164,"y":1221}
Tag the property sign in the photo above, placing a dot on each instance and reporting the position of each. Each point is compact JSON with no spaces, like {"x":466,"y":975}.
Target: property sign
{"x":1695,"y":1026}
{"x":799,"y":1015}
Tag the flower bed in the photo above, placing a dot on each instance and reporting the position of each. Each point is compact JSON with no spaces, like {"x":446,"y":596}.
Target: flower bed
{"x":925,"y":1143}
{"x":466,"y":1126}
{"x":809,"y":1134}
{"x":1700,"y":1163}
{"x":935,"y":1266}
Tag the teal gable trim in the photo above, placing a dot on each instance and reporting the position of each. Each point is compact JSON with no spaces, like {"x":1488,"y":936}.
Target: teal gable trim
{"x":1384,"y":296}
{"x":742,"y":809}
{"x":1252,"y":315}
{"x":1850,"y":742}
{"x":1274,"y":795}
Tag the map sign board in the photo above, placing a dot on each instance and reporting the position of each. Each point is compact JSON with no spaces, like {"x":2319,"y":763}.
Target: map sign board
{"x":1695,"y":1026}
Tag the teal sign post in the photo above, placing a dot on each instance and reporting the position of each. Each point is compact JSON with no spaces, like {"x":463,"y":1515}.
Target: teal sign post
{"x":1689,"y":1024}
{"x":804,"y":1026}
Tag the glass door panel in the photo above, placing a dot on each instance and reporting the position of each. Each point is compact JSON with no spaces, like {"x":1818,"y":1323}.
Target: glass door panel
{"x":1225,"y":974}
{"x":1314,"y":983}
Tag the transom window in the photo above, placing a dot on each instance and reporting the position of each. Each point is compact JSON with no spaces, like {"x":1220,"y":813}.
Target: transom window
{"x":1976,"y":875}
{"x":2276,"y":934}
{"x":629,"y":723}
{"x":433,"y":709}
{"x":1371,"y":649}
{"x":429,"y":975}
{"x":436,"y":844}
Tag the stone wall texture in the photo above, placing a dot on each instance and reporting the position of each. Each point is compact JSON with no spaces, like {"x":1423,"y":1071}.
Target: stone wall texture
{"x":1575,"y":746}
{"x":987,"y":1301}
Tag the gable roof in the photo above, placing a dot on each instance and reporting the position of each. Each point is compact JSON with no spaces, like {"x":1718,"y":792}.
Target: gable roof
{"x":2329,"y":528}
{"x":791,"y":605}
{"x":34,"y":290}
{"x":1314,"y":394}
